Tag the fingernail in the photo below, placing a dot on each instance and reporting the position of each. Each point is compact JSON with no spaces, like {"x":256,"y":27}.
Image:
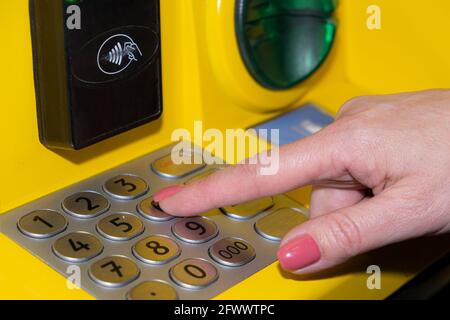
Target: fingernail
{"x":166,"y":193}
{"x":299,"y":253}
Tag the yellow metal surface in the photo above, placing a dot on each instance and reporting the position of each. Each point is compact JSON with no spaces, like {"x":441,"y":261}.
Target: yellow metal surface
{"x":204,"y":79}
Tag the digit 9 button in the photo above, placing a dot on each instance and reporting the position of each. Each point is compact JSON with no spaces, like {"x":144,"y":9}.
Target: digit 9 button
{"x":195,"y":230}
{"x":42,"y":224}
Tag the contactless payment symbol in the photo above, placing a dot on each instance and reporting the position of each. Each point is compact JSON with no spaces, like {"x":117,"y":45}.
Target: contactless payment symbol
{"x":117,"y":53}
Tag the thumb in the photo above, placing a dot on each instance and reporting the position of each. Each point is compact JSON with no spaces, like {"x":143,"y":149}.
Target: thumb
{"x":332,"y":238}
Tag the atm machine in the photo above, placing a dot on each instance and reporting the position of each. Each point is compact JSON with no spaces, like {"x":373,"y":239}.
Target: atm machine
{"x":91,"y":92}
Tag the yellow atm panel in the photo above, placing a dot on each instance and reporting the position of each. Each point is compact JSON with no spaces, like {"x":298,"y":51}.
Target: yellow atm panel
{"x":211,"y":72}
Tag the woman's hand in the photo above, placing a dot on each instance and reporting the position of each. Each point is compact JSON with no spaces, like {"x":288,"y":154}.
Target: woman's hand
{"x":380,"y":174}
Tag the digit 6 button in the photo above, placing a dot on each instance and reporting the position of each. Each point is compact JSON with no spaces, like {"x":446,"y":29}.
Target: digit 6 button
{"x":77,"y":247}
{"x":194,"y":273}
{"x":156,"y":250}
{"x":232,"y":252}
{"x":195,"y":230}
{"x":126,"y":187}
{"x":86,"y":204}
{"x":120,"y":227}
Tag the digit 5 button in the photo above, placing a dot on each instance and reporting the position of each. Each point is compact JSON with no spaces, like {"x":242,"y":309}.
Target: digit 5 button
{"x":42,"y":224}
{"x":126,"y":187}
{"x":86,"y":204}
{"x":120,"y":227}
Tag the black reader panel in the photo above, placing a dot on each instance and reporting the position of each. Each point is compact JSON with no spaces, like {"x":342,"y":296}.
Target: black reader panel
{"x":97,"y":68}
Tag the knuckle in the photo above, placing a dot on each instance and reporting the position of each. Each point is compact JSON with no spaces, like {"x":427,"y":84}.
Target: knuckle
{"x":345,"y":234}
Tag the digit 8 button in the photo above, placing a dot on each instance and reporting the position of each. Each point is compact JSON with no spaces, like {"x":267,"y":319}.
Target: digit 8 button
{"x":156,"y":250}
{"x":126,"y":187}
{"x":194,"y":273}
{"x":195,"y":230}
{"x":232,"y":252}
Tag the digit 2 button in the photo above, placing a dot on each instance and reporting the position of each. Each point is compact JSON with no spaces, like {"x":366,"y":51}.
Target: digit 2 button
{"x":86,"y":204}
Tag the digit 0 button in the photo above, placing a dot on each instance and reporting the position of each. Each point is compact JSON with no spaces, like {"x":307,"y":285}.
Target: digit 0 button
{"x":194,"y":273}
{"x":277,"y":224}
{"x":77,"y":247}
{"x":86,"y":204}
{"x":151,"y":211}
{"x":42,"y":224}
{"x":152,"y":290}
{"x":156,"y":250}
{"x":232,"y":252}
{"x":166,"y":168}
{"x":195,"y":230}
{"x":248,"y":210}
{"x":126,"y":187}
{"x":115,"y":271}
{"x":120,"y":227}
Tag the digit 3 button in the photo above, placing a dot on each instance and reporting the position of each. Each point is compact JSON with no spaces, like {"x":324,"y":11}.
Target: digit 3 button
{"x":156,"y":250}
{"x":77,"y":247}
{"x":126,"y":187}
{"x":195,"y":230}
{"x":152,"y":290}
{"x":86,"y":204}
{"x":232,"y":252}
{"x":120,"y":227}
{"x":42,"y":224}
{"x":114,"y":271}
{"x":194,"y":274}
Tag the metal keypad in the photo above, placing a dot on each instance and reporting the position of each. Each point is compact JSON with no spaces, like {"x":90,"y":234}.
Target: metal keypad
{"x":126,"y":187}
{"x":194,"y":273}
{"x":109,"y":236}
{"x":232,"y":252}
{"x":156,"y":250}
{"x":115,"y":271}
{"x":42,"y":224}
{"x":277,"y":224}
{"x":86,"y":204}
{"x":120,"y":227}
{"x":153,"y":290}
{"x":195,"y":230}
{"x":77,"y":247}
{"x":151,"y":211}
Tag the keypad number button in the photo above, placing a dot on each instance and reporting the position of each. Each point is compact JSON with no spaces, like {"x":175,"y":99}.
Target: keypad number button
{"x":85,"y":205}
{"x":232,"y":252}
{"x":194,"y":274}
{"x":277,"y":224}
{"x":156,"y":250}
{"x":42,"y":224}
{"x":248,"y":210}
{"x":151,"y":211}
{"x":77,"y":247}
{"x":126,"y":187}
{"x":167,"y":168}
{"x":152,"y":290}
{"x":114,"y":271}
{"x":195,"y":230}
{"x":120,"y":227}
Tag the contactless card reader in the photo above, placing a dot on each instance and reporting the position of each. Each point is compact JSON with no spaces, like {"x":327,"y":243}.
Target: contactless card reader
{"x":97,"y":68}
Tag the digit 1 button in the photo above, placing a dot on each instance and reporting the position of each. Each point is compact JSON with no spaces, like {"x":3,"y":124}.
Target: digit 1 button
{"x":156,"y":250}
{"x":115,"y":271}
{"x":232,"y":252}
{"x":126,"y":187}
{"x":166,"y":168}
{"x":277,"y":224}
{"x":42,"y":224}
{"x":77,"y":247}
{"x":195,"y":230}
{"x":86,"y":204}
{"x":152,"y":290}
{"x":150,"y":210}
{"x":194,"y":273}
{"x":120,"y":227}
{"x":248,"y":210}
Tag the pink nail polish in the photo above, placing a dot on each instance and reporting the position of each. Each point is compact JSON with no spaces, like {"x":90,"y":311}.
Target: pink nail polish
{"x":299,"y":253}
{"x":166,"y":193}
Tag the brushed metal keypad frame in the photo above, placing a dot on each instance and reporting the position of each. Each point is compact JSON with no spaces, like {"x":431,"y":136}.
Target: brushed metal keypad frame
{"x":228,"y":227}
